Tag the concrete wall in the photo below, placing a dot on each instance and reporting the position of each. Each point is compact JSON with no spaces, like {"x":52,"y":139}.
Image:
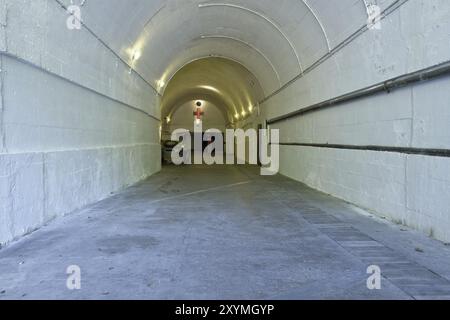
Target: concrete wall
{"x":76,"y":124}
{"x":405,"y":188}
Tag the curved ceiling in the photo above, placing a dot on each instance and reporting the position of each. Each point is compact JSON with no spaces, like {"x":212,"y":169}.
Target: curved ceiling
{"x":274,"y":40}
{"x":223,"y":82}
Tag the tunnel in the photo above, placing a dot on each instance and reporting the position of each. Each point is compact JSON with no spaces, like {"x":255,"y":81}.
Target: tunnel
{"x":353,"y":95}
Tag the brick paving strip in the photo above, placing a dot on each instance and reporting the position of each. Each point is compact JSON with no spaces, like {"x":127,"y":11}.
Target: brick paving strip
{"x":415,"y":280}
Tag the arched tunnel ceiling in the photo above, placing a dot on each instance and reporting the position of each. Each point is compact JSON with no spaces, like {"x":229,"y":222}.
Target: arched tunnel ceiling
{"x":275,"y":40}
{"x":223,"y":82}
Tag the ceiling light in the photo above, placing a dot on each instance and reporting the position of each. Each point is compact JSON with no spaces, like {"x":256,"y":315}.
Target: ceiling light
{"x":136,"y":55}
{"x":209,"y":88}
{"x":160,"y":84}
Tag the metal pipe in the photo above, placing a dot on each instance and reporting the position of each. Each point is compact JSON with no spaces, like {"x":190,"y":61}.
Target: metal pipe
{"x":444,"y":153}
{"x":389,"y":10}
{"x":386,"y":86}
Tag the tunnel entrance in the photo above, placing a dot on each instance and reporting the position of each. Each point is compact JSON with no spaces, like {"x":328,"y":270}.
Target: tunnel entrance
{"x":212,"y":94}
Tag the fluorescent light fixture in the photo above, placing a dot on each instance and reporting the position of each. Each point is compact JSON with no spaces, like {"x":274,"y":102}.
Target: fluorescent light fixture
{"x":210,"y":88}
{"x":160,"y":84}
{"x":136,"y":55}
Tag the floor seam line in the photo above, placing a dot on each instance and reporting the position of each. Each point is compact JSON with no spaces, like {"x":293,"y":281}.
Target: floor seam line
{"x":201,"y":191}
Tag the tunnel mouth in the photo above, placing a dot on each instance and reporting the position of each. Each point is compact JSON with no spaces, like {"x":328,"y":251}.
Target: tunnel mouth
{"x":213,"y":82}
{"x":209,"y":94}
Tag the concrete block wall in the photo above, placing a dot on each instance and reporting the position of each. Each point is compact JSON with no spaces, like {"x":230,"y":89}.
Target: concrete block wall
{"x":76,"y":124}
{"x":409,"y":189}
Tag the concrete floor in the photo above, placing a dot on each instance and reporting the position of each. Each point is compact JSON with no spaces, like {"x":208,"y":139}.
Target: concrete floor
{"x":223,"y":233}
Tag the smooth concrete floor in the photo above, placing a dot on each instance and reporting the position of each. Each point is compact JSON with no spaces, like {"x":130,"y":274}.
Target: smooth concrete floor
{"x":223,"y":232}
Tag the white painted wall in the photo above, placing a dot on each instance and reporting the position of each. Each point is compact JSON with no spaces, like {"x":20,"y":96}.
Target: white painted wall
{"x":76,"y":124}
{"x":413,"y":190}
